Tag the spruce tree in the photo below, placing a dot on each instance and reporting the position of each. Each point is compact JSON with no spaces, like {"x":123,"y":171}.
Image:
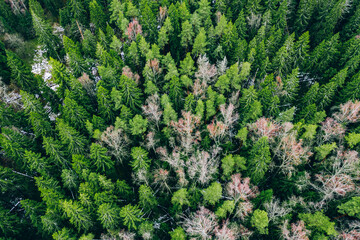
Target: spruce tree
{"x":20,"y":73}
{"x":259,"y":160}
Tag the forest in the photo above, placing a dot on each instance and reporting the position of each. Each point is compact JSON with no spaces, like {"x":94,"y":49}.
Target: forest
{"x":179,"y":119}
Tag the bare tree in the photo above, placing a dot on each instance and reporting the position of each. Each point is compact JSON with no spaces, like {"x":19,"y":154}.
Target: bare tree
{"x":161,"y":179}
{"x":151,"y":141}
{"x":290,"y":152}
{"x":127,"y":72}
{"x":241,"y":189}
{"x":206,"y":71}
{"x":152,"y":109}
{"x":217,"y":131}
{"x":338,"y":179}
{"x":226,"y":233}
{"x":349,"y":112}
{"x":10,"y":98}
{"x":201,"y":167}
{"x":276,"y":210}
{"x":186,"y":128}
{"x":332,"y":129}
{"x":297,"y":231}
{"x":162,"y":14}
{"x":230,"y":117}
{"x":351,"y":235}
{"x":117,"y":142}
{"x":245,"y":233}
{"x":222,"y":66}
{"x":152,"y":70}
{"x":17,"y":6}
{"x":199,"y":88}
{"x":173,"y":159}
{"x":88,"y":84}
{"x":133,"y":30}
{"x":200,"y":224}
{"x":265,"y":127}
{"x":243,"y":209}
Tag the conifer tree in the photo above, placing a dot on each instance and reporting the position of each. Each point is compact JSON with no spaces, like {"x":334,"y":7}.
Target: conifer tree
{"x":20,"y":73}
{"x":77,"y":214}
{"x":60,"y":76}
{"x":200,"y":43}
{"x":240,"y":24}
{"x":97,"y":15}
{"x":351,"y":91}
{"x":4,"y":69}
{"x":164,"y":33}
{"x":140,"y":159}
{"x":131,"y":216}
{"x":101,"y":160}
{"x":43,"y":30}
{"x":55,"y":150}
{"x":105,"y":105}
{"x":77,"y":10}
{"x":187,"y":34}
{"x":147,"y":198}
{"x":148,"y":19}
{"x":108,"y":215}
{"x":71,"y":138}
{"x":74,"y":113}
{"x":259,"y":160}
{"x":130,"y":92}
{"x":75,"y":58}
{"x":89,"y":43}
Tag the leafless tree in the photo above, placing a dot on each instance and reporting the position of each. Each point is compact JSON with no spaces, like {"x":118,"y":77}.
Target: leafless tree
{"x":332,"y":129}
{"x":275,"y":209}
{"x":241,"y":189}
{"x":151,"y":141}
{"x":297,"y":231}
{"x":243,"y":209}
{"x":117,"y":142}
{"x":200,"y":224}
{"x":265,"y":127}
{"x":226,"y":233}
{"x":201,"y":167}
{"x":152,"y":109}
{"x":161,"y":180}
{"x":174,"y":159}
{"x":229,"y":114}
{"x":199,"y":88}
{"x":186,"y":129}
{"x":349,"y":112}
{"x":133,"y":30}
{"x":290,"y":152}
{"x":152,"y":70}
{"x":217,"y":131}
{"x":17,"y":6}
{"x":127,"y":72}
{"x":339,"y":178}
{"x":10,"y":98}
{"x":206,"y":71}
{"x":222,"y":67}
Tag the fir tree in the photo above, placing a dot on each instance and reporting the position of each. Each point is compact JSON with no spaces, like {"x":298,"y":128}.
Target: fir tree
{"x":77,"y":214}
{"x":97,"y":16}
{"x":20,"y":73}
{"x":101,"y":160}
{"x":259,"y":160}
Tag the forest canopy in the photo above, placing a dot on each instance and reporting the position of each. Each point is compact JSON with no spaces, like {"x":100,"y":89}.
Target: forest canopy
{"x":165,"y":119}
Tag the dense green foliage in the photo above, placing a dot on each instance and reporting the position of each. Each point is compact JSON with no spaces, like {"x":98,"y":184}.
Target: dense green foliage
{"x":143,"y":119}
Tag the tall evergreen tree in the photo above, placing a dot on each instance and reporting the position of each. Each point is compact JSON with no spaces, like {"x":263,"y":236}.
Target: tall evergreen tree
{"x":20,"y":73}
{"x":43,"y":30}
{"x":259,"y":160}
